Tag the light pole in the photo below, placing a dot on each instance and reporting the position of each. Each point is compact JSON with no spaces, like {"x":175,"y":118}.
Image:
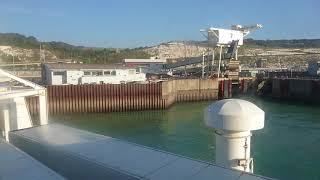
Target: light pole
{"x":13,"y":66}
{"x":212,"y":63}
{"x":220,"y":57}
{"x":202,"y":64}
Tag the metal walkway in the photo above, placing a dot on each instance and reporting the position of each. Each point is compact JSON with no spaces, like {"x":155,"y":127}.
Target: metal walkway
{"x":78,"y":154}
{"x":16,"y":165}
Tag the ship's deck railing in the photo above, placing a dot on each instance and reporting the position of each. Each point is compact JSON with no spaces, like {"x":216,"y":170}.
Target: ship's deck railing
{"x":10,"y":94}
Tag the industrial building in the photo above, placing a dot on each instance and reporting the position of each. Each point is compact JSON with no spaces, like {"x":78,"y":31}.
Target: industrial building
{"x":314,"y":68}
{"x":69,"y":73}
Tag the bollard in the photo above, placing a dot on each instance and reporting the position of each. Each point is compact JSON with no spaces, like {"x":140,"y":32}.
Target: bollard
{"x":233,"y":121}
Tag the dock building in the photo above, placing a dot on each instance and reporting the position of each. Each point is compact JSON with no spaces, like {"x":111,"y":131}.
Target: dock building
{"x":69,"y":73}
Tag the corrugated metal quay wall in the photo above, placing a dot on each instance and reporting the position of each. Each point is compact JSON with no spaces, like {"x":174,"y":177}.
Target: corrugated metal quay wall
{"x":296,"y":88}
{"x":182,"y":90}
{"x":124,"y":97}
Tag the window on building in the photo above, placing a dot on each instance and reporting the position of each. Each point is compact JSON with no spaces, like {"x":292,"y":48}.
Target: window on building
{"x":96,"y":73}
{"x":132,"y":71}
{"x":59,"y":73}
{"x":99,"y":73}
{"x":87,"y":73}
{"x":113,"y":73}
{"x":107,"y":73}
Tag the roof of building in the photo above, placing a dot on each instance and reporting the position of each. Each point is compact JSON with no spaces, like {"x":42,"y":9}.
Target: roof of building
{"x":66,"y":66}
{"x":145,"y":61}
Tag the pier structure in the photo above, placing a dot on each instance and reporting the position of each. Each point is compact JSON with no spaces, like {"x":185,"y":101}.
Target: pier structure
{"x":63,"y":99}
{"x":296,"y":88}
{"x":135,"y":97}
{"x":130,"y":97}
{"x":301,"y":89}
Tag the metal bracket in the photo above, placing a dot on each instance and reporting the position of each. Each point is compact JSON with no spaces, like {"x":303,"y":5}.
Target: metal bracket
{"x":245,"y":163}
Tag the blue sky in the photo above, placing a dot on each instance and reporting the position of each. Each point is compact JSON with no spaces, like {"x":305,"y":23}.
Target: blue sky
{"x":129,"y":23}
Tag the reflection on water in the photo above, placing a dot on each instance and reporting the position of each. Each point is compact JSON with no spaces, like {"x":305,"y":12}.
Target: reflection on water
{"x":287,"y":148}
{"x":179,"y":129}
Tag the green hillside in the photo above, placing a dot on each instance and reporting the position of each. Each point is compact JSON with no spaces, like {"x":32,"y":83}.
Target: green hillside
{"x":110,"y":55}
{"x":66,"y":51}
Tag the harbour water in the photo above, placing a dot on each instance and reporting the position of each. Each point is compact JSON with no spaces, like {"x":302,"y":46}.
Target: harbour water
{"x":287,"y":148}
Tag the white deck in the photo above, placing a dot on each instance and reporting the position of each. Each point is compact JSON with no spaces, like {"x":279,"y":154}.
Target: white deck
{"x":15,"y":164}
{"x":131,"y":160}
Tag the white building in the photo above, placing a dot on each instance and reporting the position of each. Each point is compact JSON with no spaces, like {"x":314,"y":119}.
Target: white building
{"x":68,"y":73}
{"x":314,"y":68}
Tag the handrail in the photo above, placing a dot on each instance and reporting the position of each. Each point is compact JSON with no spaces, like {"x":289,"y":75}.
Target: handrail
{"x":23,"y":81}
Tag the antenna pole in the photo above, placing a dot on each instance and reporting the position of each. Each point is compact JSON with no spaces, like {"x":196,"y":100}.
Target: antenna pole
{"x":236,"y":53}
{"x":212,"y":62}
{"x":40,"y":53}
{"x":13,"y":63}
{"x":220,"y":57}
{"x":202,"y":64}
{"x":44,"y":56}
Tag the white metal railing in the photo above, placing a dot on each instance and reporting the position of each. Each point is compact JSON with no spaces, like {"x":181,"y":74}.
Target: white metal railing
{"x":13,"y":116}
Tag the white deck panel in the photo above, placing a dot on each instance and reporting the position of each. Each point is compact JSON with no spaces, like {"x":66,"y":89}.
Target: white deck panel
{"x":16,"y":165}
{"x":137,"y":160}
{"x":182,"y":168}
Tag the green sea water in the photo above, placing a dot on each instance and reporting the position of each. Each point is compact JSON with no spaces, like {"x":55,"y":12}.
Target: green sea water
{"x":287,"y":148}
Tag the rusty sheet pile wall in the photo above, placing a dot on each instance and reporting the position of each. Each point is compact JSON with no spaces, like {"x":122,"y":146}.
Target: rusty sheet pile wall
{"x":245,"y":84}
{"x":124,"y":97}
{"x":299,"y":89}
{"x":225,"y":88}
